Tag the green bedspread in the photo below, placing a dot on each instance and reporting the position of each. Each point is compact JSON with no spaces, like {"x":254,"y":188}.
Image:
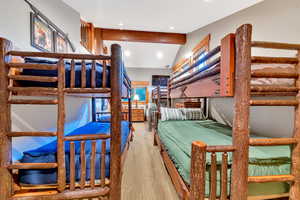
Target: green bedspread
{"x":177,"y":137}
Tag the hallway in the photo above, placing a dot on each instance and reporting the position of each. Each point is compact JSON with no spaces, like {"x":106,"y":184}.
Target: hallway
{"x":145,"y":177}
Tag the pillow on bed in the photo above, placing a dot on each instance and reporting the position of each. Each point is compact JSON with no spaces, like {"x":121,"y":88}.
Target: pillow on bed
{"x":171,"y":114}
{"x":193,"y":113}
{"x":104,"y":118}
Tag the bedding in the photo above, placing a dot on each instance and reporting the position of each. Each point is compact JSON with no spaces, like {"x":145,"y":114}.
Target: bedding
{"x":104,"y":118}
{"x":47,"y":153}
{"x":177,"y":137}
{"x":53,"y":73}
{"x":181,"y":114}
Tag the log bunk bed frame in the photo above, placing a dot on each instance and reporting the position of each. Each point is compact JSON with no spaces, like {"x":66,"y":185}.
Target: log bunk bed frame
{"x":105,"y":189}
{"x":158,"y":95}
{"x":230,"y":77}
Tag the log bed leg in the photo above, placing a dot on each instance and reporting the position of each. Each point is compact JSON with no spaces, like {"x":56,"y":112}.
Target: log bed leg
{"x":6,"y":180}
{"x":239,"y":184}
{"x":61,"y":171}
{"x":198,"y":168}
{"x":295,"y":187}
{"x":116,"y":118}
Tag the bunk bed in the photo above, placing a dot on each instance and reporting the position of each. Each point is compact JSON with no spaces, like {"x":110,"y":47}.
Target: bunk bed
{"x":206,"y":159}
{"x":87,"y":163}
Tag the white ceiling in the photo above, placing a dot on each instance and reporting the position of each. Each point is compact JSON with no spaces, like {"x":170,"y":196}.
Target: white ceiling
{"x":155,"y":15}
{"x":145,"y":55}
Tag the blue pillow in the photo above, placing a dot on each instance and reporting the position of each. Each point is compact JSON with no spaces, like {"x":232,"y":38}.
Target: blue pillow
{"x":104,"y":118}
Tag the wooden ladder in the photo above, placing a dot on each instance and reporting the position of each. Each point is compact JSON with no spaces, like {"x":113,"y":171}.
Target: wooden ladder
{"x":58,"y":93}
{"x":243,"y":92}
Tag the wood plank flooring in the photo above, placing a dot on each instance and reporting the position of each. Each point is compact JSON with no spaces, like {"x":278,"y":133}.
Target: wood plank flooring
{"x":145,"y":177}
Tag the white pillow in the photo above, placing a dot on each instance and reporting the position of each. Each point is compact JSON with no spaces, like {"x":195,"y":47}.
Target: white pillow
{"x":171,"y":114}
{"x":193,"y":113}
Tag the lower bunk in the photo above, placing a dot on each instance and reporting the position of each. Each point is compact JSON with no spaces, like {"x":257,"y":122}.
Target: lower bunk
{"x":175,"y":140}
{"x":87,"y":161}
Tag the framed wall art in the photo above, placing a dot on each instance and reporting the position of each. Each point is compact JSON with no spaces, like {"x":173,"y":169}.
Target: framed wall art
{"x":42,"y":35}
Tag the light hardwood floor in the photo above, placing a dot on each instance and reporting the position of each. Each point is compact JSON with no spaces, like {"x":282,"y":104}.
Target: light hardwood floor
{"x":145,"y":177}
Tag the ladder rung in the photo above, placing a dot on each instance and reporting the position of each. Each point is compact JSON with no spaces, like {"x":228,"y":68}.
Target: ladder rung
{"x":32,"y":66}
{"x":272,"y":141}
{"x":33,"y":102}
{"x":33,"y":89}
{"x":274,"y":60}
{"x":32,"y":166}
{"x":275,"y":178}
{"x":87,"y":137}
{"x":275,"y":45}
{"x":274,"y":74}
{"x":87,"y":90}
{"x":273,"y":102}
{"x":33,"y":78}
{"x":37,"y":134}
{"x":271,"y":88}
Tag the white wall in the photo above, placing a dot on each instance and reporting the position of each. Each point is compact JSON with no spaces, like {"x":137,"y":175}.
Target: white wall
{"x":15,"y":21}
{"x":273,"y":20}
{"x":15,"y":26}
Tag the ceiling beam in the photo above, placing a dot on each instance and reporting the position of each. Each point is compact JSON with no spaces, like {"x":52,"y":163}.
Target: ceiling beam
{"x":143,"y":36}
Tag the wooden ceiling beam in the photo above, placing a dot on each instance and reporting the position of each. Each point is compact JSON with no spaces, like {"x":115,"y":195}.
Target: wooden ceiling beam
{"x":143,"y":36}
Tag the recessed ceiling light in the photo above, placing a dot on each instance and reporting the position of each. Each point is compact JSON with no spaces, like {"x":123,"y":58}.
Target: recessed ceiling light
{"x":171,"y":27}
{"x":159,"y":55}
{"x":208,"y":1}
{"x":127,"y":53}
{"x":188,"y":55}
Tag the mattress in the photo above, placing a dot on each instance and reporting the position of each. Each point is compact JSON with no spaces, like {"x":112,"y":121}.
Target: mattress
{"x":78,"y":71}
{"x":47,"y":154}
{"x":177,"y":137}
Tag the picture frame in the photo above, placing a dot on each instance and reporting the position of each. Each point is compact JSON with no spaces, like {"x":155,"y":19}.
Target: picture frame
{"x":61,"y":44}
{"x":42,"y":35}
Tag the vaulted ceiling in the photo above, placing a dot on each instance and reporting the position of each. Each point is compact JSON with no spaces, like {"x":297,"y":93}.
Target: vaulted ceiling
{"x":181,"y":16}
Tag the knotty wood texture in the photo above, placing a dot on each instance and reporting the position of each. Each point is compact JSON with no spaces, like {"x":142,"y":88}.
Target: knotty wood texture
{"x":295,"y":189}
{"x":116,"y":117}
{"x":227,"y":65}
{"x":240,"y":128}
{"x":61,"y":172}
{"x":5,"y":121}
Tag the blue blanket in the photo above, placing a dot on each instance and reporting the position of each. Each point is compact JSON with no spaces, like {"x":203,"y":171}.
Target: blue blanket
{"x":53,"y":73}
{"x":47,"y":154}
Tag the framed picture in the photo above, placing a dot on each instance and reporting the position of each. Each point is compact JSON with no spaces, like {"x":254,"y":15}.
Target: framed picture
{"x":42,"y":36}
{"x":61,"y":44}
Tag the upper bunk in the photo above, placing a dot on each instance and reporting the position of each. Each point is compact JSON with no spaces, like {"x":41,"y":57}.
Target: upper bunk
{"x":214,"y":73}
{"x":85,"y":75}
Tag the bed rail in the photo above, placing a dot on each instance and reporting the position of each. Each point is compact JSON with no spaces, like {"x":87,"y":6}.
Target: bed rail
{"x":213,"y":79}
{"x":198,"y":171}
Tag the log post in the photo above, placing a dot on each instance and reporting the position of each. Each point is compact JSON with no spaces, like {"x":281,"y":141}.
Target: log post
{"x":295,"y":187}
{"x":61,"y":171}
{"x":169,"y":96}
{"x":158,"y":98}
{"x":116,"y":117}
{"x":129,"y":109}
{"x":239,"y":184}
{"x":198,"y":168}
{"x":6,"y":181}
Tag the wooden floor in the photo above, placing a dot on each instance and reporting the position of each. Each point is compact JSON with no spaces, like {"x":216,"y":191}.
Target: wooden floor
{"x":145,"y":177}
